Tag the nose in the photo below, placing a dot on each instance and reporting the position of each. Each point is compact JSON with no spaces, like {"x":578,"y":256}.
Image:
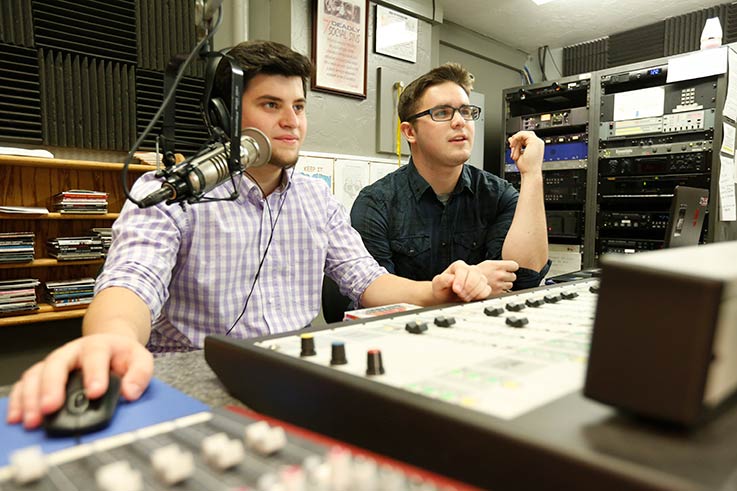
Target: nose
{"x":289,"y":118}
{"x":457,"y":121}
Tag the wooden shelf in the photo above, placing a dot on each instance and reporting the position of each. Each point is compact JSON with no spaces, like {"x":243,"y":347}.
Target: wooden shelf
{"x":66,"y":164}
{"x":44,"y":313}
{"x":46,"y":262}
{"x":59,"y":216}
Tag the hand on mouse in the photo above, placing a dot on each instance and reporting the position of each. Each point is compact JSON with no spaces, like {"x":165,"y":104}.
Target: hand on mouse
{"x":41,"y":389}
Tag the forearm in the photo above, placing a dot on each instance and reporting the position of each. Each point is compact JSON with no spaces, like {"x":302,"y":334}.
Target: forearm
{"x":527,"y":239}
{"x":389,"y":288}
{"x":117,"y":310}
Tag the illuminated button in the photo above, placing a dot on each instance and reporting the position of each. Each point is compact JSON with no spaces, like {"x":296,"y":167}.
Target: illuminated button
{"x":517,"y":321}
{"x":493,"y":311}
{"x":374,"y":363}
{"x":415,"y":327}
{"x":308,"y":345}
{"x":337,"y":353}
{"x":442,"y":321}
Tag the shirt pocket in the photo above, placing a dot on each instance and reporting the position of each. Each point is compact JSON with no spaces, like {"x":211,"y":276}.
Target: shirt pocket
{"x":411,"y":256}
{"x":469,"y":246}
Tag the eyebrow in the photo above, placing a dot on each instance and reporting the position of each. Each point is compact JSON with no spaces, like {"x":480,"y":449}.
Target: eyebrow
{"x":279,"y":99}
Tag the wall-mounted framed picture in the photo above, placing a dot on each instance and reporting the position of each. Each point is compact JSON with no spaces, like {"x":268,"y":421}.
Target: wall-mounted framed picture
{"x":396,"y":34}
{"x":339,"y":48}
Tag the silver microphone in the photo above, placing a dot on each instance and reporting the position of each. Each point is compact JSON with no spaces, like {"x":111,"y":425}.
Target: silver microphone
{"x":204,"y":172}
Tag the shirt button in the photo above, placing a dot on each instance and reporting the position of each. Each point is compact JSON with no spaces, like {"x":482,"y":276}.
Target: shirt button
{"x":443,"y":244}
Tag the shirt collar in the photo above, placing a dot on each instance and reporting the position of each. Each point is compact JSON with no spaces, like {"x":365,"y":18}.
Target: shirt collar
{"x":250,"y":187}
{"x":419,"y":185}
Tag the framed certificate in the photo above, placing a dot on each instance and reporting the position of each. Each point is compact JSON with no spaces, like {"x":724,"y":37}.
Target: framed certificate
{"x":339,"y":46}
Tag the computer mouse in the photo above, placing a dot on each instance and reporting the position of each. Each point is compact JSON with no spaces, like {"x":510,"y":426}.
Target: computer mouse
{"x":79,"y":415}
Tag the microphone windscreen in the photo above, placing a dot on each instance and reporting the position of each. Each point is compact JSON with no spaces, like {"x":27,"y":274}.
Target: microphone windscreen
{"x":255,"y":148}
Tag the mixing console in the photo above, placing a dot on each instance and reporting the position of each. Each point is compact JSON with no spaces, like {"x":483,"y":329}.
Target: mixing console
{"x":215,"y":451}
{"x":503,"y":357}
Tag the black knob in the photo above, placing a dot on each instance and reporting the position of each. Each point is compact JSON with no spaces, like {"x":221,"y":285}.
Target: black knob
{"x":551,"y":298}
{"x":374,"y":364}
{"x":308,"y":345}
{"x":594,"y":288}
{"x":569,"y":295}
{"x":442,"y":321}
{"x":415,"y":327}
{"x":337,"y":353}
{"x":517,"y":321}
{"x":515,"y":306}
{"x":493,"y":311}
{"x":534,"y":302}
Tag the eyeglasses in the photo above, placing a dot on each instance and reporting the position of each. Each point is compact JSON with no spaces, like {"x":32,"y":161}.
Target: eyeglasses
{"x":446,"y":113}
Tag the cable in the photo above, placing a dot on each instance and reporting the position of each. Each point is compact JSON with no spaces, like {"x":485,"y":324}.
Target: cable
{"x":547,"y":50}
{"x":167,"y":101}
{"x":268,"y":245}
{"x":541,"y":62}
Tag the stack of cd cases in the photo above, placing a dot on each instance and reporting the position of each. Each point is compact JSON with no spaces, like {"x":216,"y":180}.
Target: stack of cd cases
{"x":18,"y":296}
{"x":70,"y":293}
{"x":75,"y":248}
{"x":16,"y":247}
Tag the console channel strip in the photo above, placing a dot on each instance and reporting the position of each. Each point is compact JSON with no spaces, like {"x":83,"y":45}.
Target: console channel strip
{"x":219,"y":450}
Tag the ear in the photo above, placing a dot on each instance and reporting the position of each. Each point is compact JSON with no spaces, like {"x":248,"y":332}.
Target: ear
{"x":408,"y":131}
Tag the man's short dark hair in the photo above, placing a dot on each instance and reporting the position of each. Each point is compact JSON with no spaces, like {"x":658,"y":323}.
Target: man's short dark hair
{"x":267,"y":57}
{"x":449,"y":72}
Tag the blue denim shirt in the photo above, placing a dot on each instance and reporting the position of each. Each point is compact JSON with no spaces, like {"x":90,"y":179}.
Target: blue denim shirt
{"x":413,"y":235}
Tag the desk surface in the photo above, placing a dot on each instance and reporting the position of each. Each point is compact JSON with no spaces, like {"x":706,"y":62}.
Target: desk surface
{"x":189,"y":373}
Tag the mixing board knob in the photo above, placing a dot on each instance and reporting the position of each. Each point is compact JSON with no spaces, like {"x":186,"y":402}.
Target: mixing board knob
{"x":292,"y":478}
{"x":317,"y":473}
{"x":171,"y":464}
{"x":493,"y":311}
{"x":264,"y":439}
{"x":517,"y":321}
{"x":442,"y":321}
{"x":221,"y":452}
{"x":515,"y":306}
{"x":551,"y":298}
{"x":364,"y":474}
{"x":374,"y":363}
{"x":308,"y":345}
{"x":534,"y":302}
{"x":340,"y":461}
{"x":569,"y":295}
{"x":415,"y":327}
{"x":29,"y":464}
{"x":594,"y":288}
{"x":118,"y":476}
{"x":337,"y":353}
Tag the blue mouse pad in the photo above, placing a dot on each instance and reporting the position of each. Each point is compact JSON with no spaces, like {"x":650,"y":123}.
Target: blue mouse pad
{"x":158,"y":404}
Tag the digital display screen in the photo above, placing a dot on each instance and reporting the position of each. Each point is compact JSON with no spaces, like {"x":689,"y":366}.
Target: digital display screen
{"x":655,"y":71}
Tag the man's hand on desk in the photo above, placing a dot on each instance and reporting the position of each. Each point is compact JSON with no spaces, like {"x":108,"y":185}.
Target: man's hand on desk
{"x":499,"y":274}
{"x":41,"y":389}
{"x":460,"y":282}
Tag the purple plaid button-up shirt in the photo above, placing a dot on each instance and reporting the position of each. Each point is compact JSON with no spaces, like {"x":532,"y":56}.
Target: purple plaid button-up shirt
{"x":194,"y":268}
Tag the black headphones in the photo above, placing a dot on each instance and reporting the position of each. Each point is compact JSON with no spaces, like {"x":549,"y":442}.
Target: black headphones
{"x":214,"y":109}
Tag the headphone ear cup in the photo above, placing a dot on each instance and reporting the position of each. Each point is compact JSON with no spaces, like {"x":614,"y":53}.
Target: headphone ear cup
{"x":219,"y":114}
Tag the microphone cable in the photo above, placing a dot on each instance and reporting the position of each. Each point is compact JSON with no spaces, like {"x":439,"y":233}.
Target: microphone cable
{"x":268,"y":244}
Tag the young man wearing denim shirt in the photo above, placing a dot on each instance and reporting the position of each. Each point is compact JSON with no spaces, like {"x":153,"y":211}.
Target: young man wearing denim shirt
{"x":437,"y":209}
